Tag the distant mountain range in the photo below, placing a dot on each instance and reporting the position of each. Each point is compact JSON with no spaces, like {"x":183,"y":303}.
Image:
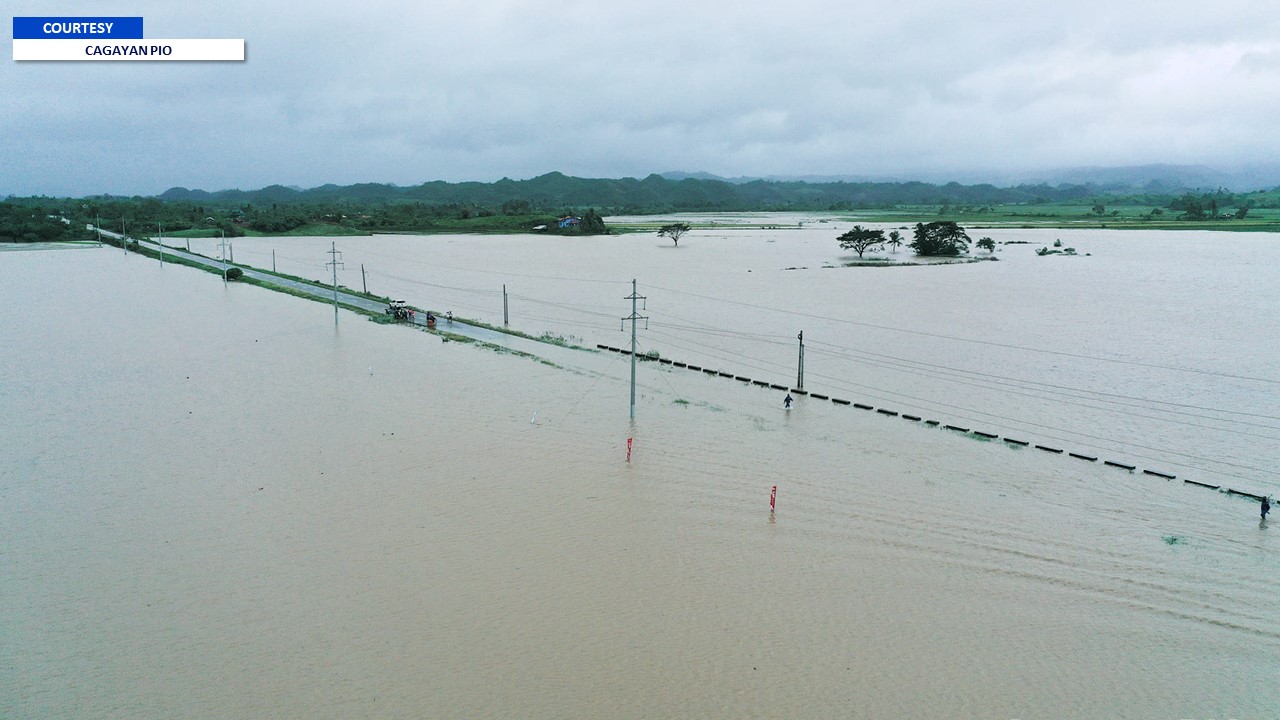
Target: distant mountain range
{"x":703,"y":192}
{"x":1157,"y":178}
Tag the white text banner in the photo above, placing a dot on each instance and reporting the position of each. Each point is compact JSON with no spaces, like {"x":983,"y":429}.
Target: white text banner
{"x":130,"y":50}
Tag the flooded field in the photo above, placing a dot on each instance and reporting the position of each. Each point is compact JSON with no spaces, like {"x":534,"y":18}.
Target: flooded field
{"x":1155,"y":349}
{"x":215,"y":503}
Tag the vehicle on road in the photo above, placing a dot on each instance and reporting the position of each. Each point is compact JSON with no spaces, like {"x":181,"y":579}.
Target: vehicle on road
{"x":400,"y":310}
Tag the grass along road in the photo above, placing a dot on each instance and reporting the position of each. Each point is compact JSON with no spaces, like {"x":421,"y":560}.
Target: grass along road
{"x":372,"y":306}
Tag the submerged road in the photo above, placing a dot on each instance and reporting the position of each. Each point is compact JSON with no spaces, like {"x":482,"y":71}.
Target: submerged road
{"x":457,"y":327}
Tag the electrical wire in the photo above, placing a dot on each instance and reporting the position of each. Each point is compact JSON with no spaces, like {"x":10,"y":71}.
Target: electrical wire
{"x":1044,"y":384}
{"x":967,"y":414}
{"x":433,"y":264}
{"x":953,"y":377}
{"x":959,"y":375}
{"x":990,"y":343}
{"x":836,"y":383}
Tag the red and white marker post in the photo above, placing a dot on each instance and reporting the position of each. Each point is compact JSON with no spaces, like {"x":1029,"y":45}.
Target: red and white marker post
{"x":629,"y":449}
{"x":773,"y":498}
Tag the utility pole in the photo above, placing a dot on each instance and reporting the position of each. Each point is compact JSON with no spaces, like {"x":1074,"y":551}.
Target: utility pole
{"x":273,"y":259}
{"x":160,"y":229}
{"x":97,"y":225}
{"x":504,"y":304}
{"x":800,"y":367}
{"x":124,"y":238}
{"x":364,"y":279}
{"x":223,"y":246}
{"x":633,"y":297}
{"x":335,"y":262}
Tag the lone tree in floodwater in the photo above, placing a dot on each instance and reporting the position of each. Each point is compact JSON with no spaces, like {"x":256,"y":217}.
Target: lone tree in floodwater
{"x":987,"y":244}
{"x":895,"y":240}
{"x":861,"y":239}
{"x":674,"y":231}
{"x":944,"y":237}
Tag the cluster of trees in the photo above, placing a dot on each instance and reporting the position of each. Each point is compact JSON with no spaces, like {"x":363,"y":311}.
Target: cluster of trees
{"x":942,"y":238}
{"x":36,"y":223}
{"x":511,"y":216}
{"x":277,"y":220}
{"x":134,"y":215}
{"x":1210,"y":206}
{"x":592,"y":224}
{"x":28,"y":218}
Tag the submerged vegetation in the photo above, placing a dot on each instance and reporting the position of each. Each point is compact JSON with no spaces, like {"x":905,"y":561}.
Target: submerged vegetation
{"x":675,"y":231}
{"x":944,"y":238}
{"x":861,"y":239}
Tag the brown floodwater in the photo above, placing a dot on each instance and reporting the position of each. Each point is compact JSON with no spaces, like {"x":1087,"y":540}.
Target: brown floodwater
{"x":1152,"y":349}
{"x":216,"y":503}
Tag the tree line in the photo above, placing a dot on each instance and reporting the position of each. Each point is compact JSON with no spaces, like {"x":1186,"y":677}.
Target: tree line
{"x":36,"y":223}
{"x":41,"y":219}
{"x":656,"y":194}
{"x":511,"y":205}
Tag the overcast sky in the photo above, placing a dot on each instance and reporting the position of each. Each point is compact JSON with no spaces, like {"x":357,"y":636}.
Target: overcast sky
{"x":404,"y":92}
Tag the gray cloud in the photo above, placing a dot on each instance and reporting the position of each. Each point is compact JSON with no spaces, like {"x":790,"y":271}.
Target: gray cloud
{"x":405,"y":92}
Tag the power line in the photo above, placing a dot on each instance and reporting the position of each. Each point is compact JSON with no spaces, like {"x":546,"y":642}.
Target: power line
{"x":735,"y":357}
{"x":873,"y":392}
{"x":1055,"y":434}
{"x":942,"y":372}
{"x":1007,"y":390}
{"x":957,"y":376}
{"x":1049,"y":385}
{"x":837,"y":383}
{"x":564,"y":306}
{"x":489,"y":293}
{"x":401,"y":260}
{"x":335,"y":262}
{"x":633,"y":317}
{"x":990,"y":343}
{"x":966,"y":413}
